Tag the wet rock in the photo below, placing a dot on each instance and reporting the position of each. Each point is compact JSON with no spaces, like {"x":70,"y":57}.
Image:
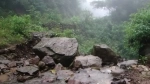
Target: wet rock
{"x":34,"y":81}
{"x":64,"y":74}
{"x":58,"y":67}
{"x":81,"y":78}
{"x":26,"y":63}
{"x":49,"y":61}
{"x":31,"y":70}
{"x":34,"y":60}
{"x":41,"y":65}
{"x":142,"y":68}
{"x":19,"y":63}
{"x":12,"y":64}
{"x":87,"y":61}
{"x":115,"y":70}
{"x":3,"y":69}
{"x":90,"y":76}
{"x":23,"y":78}
{"x":105,"y":53}
{"x":128,"y":63}
{"x":59,"y":82}
{"x":4,"y":62}
{"x":119,"y":82}
{"x":62,"y":49}
{"x":47,"y":78}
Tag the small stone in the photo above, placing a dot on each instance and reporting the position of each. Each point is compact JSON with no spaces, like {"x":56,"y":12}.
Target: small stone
{"x":58,"y":67}
{"x":34,"y":60}
{"x":49,"y":61}
{"x":41,"y":65}
{"x":87,"y":61}
{"x":26,"y":63}
{"x":31,"y":70}
{"x":12,"y":64}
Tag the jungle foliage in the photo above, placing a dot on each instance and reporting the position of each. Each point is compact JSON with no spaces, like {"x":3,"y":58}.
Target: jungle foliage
{"x":65,"y":18}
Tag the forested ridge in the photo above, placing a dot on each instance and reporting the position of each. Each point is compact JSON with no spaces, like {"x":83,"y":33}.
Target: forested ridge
{"x":126,"y":29}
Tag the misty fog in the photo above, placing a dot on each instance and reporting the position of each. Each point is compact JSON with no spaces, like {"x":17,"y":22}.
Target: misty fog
{"x":86,"y":5}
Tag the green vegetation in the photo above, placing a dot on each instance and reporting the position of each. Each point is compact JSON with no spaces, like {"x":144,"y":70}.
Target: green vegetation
{"x":15,"y":29}
{"x":65,"y":18}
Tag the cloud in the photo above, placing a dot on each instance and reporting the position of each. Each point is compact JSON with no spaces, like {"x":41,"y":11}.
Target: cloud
{"x":86,"y":5}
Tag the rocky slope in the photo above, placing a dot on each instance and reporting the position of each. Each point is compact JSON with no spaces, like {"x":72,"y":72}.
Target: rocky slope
{"x":57,"y":61}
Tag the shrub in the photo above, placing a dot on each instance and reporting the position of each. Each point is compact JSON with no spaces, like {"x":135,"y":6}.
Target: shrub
{"x":15,"y":29}
{"x":137,"y":29}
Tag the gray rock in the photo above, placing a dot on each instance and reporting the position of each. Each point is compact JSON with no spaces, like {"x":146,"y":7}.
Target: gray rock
{"x":105,"y":53}
{"x":3,"y":68}
{"x":62,"y":49}
{"x":115,"y":70}
{"x":31,"y":70}
{"x":12,"y":64}
{"x":4,"y":62}
{"x":90,"y":76}
{"x":87,"y":61}
{"x":58,"y":67}
{"x":49,"y":61}
{"x":47,"y":78}
{"x":34,"y":60}
{"x":64,"y":74}
{"x":128,"y":63}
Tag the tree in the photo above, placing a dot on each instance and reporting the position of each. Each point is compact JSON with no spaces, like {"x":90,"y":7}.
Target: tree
{"x":138,"y":28}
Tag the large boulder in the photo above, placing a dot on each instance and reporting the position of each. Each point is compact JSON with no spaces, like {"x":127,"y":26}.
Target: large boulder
{"x":62,"y":49}
{"x":105,"y":53}
{"x":87,"y":61}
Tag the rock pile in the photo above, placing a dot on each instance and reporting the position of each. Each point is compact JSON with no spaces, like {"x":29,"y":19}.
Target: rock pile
{"x":57,"y":61}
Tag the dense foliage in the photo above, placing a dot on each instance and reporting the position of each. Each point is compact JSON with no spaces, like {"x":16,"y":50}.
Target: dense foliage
{"x":138,"y":28}
{"x":64,"y":17}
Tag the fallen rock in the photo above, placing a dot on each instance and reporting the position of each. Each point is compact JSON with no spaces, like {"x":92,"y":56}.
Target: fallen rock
{"x":41,"y":65}
{"x":23,"y":78}
{"x":90,"y":76}
{"x":3,"y":68}
{"x":47,"y":78}
{"x":58,"y":67}
{"x":30,"y":70}
{"x":12,"y":64}
{"x":105,"y":53}
{"x":4,"y":62}
{"x":87,"y":61}
{"x":142,"y":68}
{"x":64,"y":74}
{"x":62,"y":49}
{"x":49,"y":61}
{"x":115,"y":70}
{"x":34,"y":60}
{"x":128,"y":63}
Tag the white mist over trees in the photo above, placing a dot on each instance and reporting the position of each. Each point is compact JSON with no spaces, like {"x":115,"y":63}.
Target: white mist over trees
{"x":86,"y":5}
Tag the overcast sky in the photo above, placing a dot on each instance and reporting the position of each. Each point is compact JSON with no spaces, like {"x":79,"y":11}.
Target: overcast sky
{"x":85,"y":4}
